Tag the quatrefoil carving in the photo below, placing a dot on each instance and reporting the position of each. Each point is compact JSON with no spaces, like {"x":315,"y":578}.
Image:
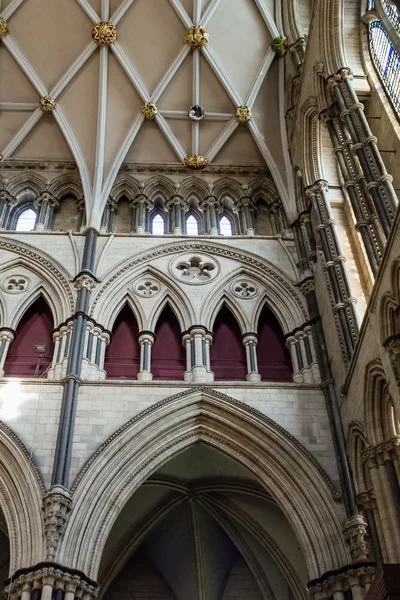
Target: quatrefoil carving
{"x":244,"y":289}
{"x":195,"y":269}
{"x":15,"y":284}
{"x":147,"y":288}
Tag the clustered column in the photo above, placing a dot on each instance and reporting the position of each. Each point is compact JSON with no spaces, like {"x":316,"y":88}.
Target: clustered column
{"x":177,"y":208}
{"x":140,"y":209}
{"x":108,"y":218}
{"x":197,"y":341}
{"x":6,"y":337}
{"x":7,"y":202}
{"x":46,"y":203}
{"x":304,"y":360}
{"x":250,"y":341}
{"x":384,"y":467}
{"x":245,"y":208}
{"x":96,"y":342}
{"x":210,"y":206}
{"x":363,"y":145}
{"x":47,"y":582}
{"x":146,"y":340}
{"x":334,"y":265}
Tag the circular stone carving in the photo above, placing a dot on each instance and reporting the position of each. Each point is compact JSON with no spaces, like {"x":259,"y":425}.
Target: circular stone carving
{"x":47,"y":104}
{"x":196,"y":37}
{"x":243,"y":289}
{"x":196,"y":112}
{"x":195,"y":269}
{"x":3,"y":27}
{"x":15,"y":284}
{"x":147,"y":287}
{"x":149,"y":109}
{"x":104,"y":33}
{"x":243,"y":114}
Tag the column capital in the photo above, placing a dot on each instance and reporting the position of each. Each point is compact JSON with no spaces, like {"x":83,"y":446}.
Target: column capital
{"x":355,"y":532}
{"x":146,"y":336}
{"x":339,"y":77}
{"x":46,"y":197}
{"x":6,"y":197}
{"x":250,"y":338}
{"x":209,"y":201}
{"x":57,"y":504}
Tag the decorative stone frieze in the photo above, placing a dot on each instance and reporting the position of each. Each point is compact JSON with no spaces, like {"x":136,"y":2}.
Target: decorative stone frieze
{"x":388,"y":450}
{"x":47,"y":576}
{"x":334,"y":584}
{"x":56,"y":507}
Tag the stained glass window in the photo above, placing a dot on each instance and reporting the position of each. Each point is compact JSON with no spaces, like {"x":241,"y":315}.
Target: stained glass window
{"x":392,"y":13}
{"x":387,"y":62}
{"x":26,"y":220}
{"x":192,"y":226}
{"x":157,"y":225}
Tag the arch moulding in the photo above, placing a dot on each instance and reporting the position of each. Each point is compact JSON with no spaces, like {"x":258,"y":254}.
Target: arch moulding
{"x":136,"y":450}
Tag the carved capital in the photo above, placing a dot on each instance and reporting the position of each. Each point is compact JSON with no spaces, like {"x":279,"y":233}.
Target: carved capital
{"x":84,"y":281}
{"x":56,"y":507}
{"x":46,"y":197}
{"x":7,"y":198}
{"x":355,"y":531}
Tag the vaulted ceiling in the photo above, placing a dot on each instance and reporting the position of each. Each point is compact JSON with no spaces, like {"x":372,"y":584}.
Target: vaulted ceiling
{"x":99,"y":92}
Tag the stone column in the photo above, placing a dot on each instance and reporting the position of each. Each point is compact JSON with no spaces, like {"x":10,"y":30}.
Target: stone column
{"x":297,"y":51}
{"x":108,"y":218}
{"x":6,"y":337}
{"x":245,"y":208}
{"x":367,"y":222}
{"x":80,"y":206}
{"x":146,"y":340}
{"x":199,"y":358}
{"x":176,"y":207}
{"x":250,"y":341}
{"x":379,"y":182}
{"x":187,"y":343}
{"x":309,"y":341}
{"x":334,"y":266}
{"x":140,"y":206}
{"x":46,"y":203}
{"x":7,"y":202}
{"x":210,"y":207}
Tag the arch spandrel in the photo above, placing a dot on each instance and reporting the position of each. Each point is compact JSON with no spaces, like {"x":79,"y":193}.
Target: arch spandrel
{"x":148,"y":441}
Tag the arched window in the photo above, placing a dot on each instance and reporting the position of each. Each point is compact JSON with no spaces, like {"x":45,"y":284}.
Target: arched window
{"x":122,"y":360}
{"x":34,"y":332}
{"x":228,"y":356}
{"x":26,"y":220}
{"x":157,"y":224}
{"x":225,"y":226}
{"x":192,"y":225}
{"x":168,"y":359}
{"x":385,"y":57}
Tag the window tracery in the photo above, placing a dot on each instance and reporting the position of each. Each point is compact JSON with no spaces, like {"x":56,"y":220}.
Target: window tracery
{"x":157,"y":224}
{"x":192,"y":225}
{"x":385,"y":57}
{"x":225,"y":226}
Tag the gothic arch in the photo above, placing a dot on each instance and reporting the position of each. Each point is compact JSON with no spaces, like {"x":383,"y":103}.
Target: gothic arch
{"x":380,"y":417}
{"x":111,"y":302}
{"x":159,"y":186}
{"x":149,"y":440}
{"x":395,"y":280}
{"x":276,"y":281}
{"x":264,"y":189}
{"x":357,"y":443}
{"x":389,"y":319}
{"x":54,"y":283}
{"x":194,"y":187}
{"x":233,"y":307}
{"x":22,"y":183}
{"x":125,"y":185}
{"x":21,"y":491}
{"x":68,"y":184}
{"x":228,"y":187}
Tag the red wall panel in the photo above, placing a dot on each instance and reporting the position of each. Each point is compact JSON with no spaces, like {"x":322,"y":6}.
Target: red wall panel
{"x":274,"y":363}
{"x":228,"y":356}
{"x":168,"y":357}
{"x":122,"y":360}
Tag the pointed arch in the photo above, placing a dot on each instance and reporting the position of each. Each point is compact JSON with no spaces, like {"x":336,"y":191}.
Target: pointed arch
{"x":125,"y":185}
{"x":21,"y":491}
{"x":380,"y":415}
{"x":34,"y":329}
{"x":23,"y":183}
{"x":264,"y":189}
{"x":227,"y":353}
{"x":194,"y":187}
{"x":126,"y":299}
{"x":152,"y":438}
{"x":395,"y":280}
{"x":357,"y":443}
{"x":168,"y":359}
{"x":67,"y":184}
{"x":180,"y":306}
{"x":159,"y":186}
{"x":229,"y":188}
{"x":158,"y":222}
{"x":274,"y":362}
{"x":389,"y":318}
{"x":122,"y":359}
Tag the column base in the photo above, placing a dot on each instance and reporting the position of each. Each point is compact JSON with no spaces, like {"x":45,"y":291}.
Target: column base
{"x":200,"y":375}
{"x":144,"y":376}
{"x":297,"y":378}
{"x":188,"y":377}
{"x":140,"y":230}
{"x":307,"y":375}
{"x":250,"y":232}
{"x":177,"y":231}
{"x":253,"y":377}
{"x":213,"y":231}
